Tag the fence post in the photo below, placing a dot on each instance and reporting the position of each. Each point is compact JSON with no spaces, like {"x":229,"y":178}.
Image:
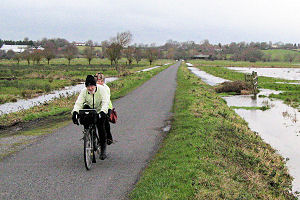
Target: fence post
{"x":253,"y":80}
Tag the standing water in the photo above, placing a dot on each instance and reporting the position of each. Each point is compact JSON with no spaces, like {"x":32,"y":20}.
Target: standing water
{"x":279,"y":126}
{"x":28,"y":103}
{"x":284,"y":73}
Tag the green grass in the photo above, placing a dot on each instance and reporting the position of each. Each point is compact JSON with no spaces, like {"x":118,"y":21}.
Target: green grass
{"x":229,"y":63}
{"x":290,"y":92}
{"x":210,"y":153}
{"x":118,"y":88}
{"x":263,"y":108}
{"x":280,"y":53}
{"x":22,"y":81}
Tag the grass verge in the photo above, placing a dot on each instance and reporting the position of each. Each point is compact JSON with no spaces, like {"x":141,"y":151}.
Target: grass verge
{"x":210,"y":153}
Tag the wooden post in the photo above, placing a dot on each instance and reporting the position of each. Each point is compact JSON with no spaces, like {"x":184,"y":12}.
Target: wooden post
{"x":253,"y":80}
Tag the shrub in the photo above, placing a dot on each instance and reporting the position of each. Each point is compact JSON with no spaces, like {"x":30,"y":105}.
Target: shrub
{"x":235,"y":86}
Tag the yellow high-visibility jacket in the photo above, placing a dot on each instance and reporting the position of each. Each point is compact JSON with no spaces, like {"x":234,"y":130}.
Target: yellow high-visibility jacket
{"x":100,"y":100}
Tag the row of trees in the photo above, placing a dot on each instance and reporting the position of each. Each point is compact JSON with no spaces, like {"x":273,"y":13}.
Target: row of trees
{"x":113,"y":49}
{"x":119,"y":46}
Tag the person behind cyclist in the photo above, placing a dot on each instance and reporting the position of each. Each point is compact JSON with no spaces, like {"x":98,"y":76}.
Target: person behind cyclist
{"x":96,"y":97}
{"x":100,"y":79}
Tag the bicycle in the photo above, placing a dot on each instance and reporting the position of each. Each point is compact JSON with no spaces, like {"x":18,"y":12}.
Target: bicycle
{"x":91,"y":140}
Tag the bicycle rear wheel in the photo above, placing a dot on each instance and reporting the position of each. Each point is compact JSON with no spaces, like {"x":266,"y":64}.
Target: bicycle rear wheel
{"x":88,"y":151}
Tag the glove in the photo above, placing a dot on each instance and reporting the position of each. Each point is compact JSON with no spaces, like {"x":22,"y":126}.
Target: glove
{"x":103,"y":115}
{"x":75,"y":117}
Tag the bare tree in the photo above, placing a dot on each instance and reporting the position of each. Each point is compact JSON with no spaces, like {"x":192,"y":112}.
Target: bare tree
{"x":49,"y":51}
{"x":123,"y":39}
{"x":26,"y":55}
{"x":89,"y":53}
{"x":115,"y":46}
{"x":37,"y":55}
{"x":137,"y":54}
{"x":18,"y":57}
{"x":113,"y":53}
{"x":70,"y":51}
{"x":128,"y":52}
{"x":151,"y":54}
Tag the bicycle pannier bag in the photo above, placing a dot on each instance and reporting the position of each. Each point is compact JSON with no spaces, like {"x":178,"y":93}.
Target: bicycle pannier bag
{"x":113,"y":116}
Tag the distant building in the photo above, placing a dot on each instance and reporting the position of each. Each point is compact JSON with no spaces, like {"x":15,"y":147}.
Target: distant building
{"x":79,"y":44}
{"x":19,"y":48}
{"x":202,"y":56}
{"x":14,"y":48}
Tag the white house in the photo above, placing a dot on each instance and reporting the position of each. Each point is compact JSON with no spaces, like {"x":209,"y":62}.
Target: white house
{"x":14,"y":48}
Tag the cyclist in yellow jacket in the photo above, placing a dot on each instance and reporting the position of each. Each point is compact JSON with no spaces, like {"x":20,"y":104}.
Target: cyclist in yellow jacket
{"x":96,"y":97}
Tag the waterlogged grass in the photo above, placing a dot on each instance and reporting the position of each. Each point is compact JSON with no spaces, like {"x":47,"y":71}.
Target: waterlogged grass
{"x":23,"y":81}
{"x":263,"y":108}
{"x":229,"y":63}
{"x":290,"y":92}
{"x":210,"y":153}
{"x":118,"y":89}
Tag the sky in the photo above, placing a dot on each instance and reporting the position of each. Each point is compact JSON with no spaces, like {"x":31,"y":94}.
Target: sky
{"x":154,"y":21}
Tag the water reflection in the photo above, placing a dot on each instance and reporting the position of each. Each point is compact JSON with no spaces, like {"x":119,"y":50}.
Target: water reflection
{"x":207,"y":78}
{"x":28,"y":103}
{"x":284,"y":73}
{"x":279,"y":126}
{"x":148,"y":69}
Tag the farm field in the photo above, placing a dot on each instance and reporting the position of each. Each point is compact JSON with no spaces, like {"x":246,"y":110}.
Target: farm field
{"x":58,"y":106}
{"x":281,"y":53}
{"x":23,"y":81}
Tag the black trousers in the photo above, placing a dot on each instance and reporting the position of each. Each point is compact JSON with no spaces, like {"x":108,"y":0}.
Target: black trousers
{"x":103,"y":128}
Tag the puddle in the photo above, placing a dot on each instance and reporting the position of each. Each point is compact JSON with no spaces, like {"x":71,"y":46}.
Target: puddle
{"x":28,"y":103}
{"x":207,"y":78}
{"x":148,"y":69}
{"x":284,"y":73}
{"x":294,"y":83}
{"x":167,"y":128}
{"x":279,"y":126}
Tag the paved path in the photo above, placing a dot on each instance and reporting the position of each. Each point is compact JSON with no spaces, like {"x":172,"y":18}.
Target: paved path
{"x":53,"y":168}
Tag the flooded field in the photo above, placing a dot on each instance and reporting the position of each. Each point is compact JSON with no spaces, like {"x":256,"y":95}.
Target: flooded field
{"x":284,"y":73}
{"x":206,"y":77}
{"x":28,"y":103}
{"x":279,"y":126}
{"x":148,"y":69}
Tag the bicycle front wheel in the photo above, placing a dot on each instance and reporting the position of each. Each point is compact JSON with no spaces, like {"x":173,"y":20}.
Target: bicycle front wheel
{"x":88,"y":151}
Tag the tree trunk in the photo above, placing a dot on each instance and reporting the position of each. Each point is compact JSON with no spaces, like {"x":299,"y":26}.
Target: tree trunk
{"x":69,"y":61}
{"x":48,"y":61}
